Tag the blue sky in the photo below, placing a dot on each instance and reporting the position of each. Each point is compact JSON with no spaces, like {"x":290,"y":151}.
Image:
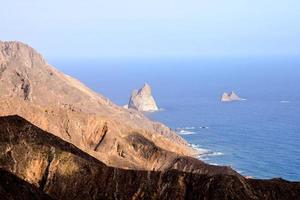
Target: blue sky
{"x":153,"y":28}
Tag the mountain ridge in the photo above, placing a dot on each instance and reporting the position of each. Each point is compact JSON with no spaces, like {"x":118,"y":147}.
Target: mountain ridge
{"x":63,"y":171}
{"x":60,"y":104}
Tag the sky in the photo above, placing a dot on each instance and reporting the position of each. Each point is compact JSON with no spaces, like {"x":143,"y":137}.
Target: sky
{"x":91,"y":29}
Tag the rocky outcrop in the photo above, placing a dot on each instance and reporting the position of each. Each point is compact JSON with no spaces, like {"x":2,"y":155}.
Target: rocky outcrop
{"x":62,"y":171}
{"x":14,"y":188}
{"x":142,"y":100}
{"x":31,"y":88}
{"x":228,"y":97}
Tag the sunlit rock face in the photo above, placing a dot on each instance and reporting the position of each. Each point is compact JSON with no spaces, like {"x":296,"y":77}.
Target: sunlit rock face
{"x":142,"y":100}
{"x":62,"y":105}
{"x":228,"y":97}
{"x":38,"y":165}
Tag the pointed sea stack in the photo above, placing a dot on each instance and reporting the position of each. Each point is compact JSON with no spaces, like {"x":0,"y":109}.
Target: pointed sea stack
{"x":142,"y":100}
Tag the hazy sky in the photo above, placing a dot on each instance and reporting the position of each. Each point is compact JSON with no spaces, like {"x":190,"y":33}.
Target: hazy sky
{"x":153,"y":28}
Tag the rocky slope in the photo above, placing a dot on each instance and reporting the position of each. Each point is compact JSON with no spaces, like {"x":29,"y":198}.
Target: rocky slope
{"x":62,"y":171}
{"x":14,"y":188}
{"x":31,"y":88}
{"x":142,"y":100}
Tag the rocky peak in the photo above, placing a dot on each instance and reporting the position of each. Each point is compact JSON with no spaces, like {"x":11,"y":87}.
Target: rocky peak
{"x":142,"y":100}
{"x":146,"y":90}
{"x":23,"y":69}
{"x":18,"y":50}
{"x":233,"y":95}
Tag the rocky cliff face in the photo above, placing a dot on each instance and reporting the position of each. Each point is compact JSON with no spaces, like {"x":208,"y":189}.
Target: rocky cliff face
{"x":227,"y":97}
{"x":142,"y":100}
{"x":31,"y":88}
{"x":53,"y":167}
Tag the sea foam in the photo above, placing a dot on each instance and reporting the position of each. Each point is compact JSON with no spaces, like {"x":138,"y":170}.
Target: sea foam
{"x":184,"y":132}
{"x":285,"y":102}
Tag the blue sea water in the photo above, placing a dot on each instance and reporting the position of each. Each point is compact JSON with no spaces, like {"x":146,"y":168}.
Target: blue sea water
{"x":259,"y":137}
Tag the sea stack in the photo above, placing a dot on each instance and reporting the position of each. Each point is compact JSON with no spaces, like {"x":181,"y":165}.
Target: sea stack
{"x":228,"y":97}
{"x":142,"y":100}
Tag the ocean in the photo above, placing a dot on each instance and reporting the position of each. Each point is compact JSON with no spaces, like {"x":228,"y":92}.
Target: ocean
{"x":259,"y":137}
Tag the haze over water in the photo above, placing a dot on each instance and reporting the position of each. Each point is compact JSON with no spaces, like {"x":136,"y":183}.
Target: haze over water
{"x":259,"y":137}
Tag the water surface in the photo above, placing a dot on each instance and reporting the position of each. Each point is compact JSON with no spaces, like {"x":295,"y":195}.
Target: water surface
{"x":259,"y":137}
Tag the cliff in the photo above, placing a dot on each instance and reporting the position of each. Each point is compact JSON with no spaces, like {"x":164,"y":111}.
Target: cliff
{"x":62,"y":171}
{"x":142,"y":100}
{"x":60,"y":104}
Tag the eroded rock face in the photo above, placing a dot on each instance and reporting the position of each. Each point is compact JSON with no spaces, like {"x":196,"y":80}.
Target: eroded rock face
{"x":142,"y":100}
{"x":31,"y":88}
{"x":64,"y":172}
{"x":228,"y":97}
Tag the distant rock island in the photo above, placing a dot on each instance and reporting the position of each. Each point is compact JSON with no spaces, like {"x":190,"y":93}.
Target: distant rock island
{"x":232,"y":96}
{"x":142,"y":100}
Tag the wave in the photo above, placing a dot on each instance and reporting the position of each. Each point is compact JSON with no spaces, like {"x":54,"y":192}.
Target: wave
{"x":205,"y":156}
{"x":184,"y":132}
{"x":203,"y":159}
{"x":216,"y":154}
{"x":200,"y":150}
{"x":186,"y":128}
{"x":239,"y":171}
{"x":212,"y":153}
{"x":189,"y":128}
{"x":285,"y":102}
{"x":215,"y":164}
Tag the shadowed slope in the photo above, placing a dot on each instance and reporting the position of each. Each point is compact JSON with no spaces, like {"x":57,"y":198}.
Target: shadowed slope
{"x":65,"y":172}
{"x":14,"y":188}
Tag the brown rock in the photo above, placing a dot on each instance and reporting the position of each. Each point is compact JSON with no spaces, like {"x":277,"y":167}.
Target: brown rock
{"x":14,"y":188}
{"x":69,"y":173}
